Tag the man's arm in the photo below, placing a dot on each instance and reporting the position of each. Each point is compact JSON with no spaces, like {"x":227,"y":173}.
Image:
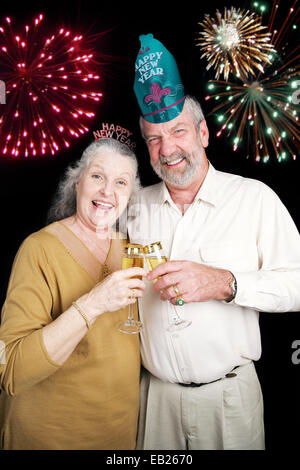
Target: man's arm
{"x":273,"y":287}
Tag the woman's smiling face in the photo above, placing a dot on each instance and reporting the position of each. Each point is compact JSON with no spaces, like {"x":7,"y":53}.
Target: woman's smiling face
{"x":104,"y":189}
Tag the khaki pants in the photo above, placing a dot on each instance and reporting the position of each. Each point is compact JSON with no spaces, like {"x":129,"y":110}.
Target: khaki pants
{"x":227,"y":414}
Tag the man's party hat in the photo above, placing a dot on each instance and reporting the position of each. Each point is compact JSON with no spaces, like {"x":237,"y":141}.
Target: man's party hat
{"x":157,"y":83}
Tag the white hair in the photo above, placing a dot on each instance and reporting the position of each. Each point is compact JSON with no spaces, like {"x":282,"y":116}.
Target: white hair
{"x":64,"y":201}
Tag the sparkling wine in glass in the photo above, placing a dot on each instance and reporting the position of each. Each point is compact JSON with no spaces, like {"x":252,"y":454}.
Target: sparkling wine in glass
{"x":154,"y":255}
{"x":133,"y":257}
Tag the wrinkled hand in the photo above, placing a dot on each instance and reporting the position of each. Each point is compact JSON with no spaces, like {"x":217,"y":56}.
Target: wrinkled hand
{"x":195,"y":282}
{"x":114,"y":292}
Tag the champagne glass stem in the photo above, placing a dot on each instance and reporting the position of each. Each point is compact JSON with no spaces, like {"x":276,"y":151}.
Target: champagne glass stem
{"x":176,"y":317}
{"x":130,"y":314}
{"x":178,"y":322}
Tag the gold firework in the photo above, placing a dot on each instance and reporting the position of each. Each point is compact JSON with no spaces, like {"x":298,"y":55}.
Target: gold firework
{"x":235,"y":43}
{"x":262,"y":112}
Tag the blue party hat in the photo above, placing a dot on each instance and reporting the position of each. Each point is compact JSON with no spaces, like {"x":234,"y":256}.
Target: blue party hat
{"x":157,"y":83}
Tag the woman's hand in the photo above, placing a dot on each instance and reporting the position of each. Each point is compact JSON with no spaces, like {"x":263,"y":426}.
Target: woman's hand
{"x":62,"y":335}
{"x":113,"y":293}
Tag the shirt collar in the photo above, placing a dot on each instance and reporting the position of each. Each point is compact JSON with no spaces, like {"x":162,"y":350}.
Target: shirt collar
{"x":207,"y":192}
{"x":209,"y":189}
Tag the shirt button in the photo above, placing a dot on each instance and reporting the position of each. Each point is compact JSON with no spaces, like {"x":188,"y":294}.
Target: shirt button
{"x":231,"y":374}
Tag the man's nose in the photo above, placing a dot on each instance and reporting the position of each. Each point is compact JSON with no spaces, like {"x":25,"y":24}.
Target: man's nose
{"x":167,"y":147}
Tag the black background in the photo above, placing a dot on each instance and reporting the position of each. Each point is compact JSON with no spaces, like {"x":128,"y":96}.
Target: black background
{"x":27,"y":186}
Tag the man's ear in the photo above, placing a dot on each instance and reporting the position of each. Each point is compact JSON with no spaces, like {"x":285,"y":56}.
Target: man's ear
{"x":204,"y":133}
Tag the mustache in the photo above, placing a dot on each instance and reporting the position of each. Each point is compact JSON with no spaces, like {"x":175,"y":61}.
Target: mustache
{"x":173,"y":157}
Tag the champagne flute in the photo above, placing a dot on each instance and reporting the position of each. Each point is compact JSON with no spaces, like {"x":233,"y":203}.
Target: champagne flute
{"x":132,"y":257}
{"x":154,"y":255}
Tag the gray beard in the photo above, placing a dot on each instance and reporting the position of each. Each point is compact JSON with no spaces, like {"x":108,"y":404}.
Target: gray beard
{"x":173,"y":177}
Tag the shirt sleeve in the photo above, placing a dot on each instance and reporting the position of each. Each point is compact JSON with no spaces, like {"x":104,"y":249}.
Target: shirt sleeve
{"x":275,"y":286}
{"x":27,"y":309}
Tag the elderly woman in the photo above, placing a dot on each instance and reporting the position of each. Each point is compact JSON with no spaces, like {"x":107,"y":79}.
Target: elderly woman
{"x":71,"y":379}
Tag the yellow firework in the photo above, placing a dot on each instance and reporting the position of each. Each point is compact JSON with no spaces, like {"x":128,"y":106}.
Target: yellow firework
{"x":235,"y":43}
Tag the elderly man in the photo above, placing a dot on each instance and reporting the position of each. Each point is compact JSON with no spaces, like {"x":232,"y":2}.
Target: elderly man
{"x":234,"y":251}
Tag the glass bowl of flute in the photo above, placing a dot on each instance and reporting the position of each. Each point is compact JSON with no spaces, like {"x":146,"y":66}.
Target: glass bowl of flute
{"x":155,"y":255}
{"x":132,"y":257}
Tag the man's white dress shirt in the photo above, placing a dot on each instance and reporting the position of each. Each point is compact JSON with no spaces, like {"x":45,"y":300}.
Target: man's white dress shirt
{"x":234,"y":223}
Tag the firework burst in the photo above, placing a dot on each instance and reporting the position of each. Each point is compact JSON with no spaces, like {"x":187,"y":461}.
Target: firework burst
{"x":48,"y":80}
{"x":235,"y":43}
{"x":262,"y":113}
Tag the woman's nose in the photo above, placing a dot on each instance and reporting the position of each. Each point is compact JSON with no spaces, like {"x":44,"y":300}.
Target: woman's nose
{"x":106,"y":188}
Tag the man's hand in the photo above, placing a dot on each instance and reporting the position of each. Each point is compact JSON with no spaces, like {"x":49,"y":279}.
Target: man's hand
{"x":195,"y":282}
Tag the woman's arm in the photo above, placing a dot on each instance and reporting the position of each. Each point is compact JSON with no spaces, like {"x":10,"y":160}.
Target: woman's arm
{"x":63,"y":334}
{"x":35,"y":344}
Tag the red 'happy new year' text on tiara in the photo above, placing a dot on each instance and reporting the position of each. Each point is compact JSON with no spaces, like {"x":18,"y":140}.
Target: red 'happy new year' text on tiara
{"x":113,"y":131}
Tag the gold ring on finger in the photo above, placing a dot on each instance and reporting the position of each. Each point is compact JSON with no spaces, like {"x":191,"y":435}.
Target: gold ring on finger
{"x":179,"y":300}
{"x":177,"y":291}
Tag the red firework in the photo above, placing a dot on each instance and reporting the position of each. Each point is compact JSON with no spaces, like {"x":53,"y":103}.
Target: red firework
{"x":48,"y":81}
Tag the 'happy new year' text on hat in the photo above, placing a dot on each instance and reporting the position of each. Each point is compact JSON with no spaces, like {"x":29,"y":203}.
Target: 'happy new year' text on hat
{"x":157,"y":85}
